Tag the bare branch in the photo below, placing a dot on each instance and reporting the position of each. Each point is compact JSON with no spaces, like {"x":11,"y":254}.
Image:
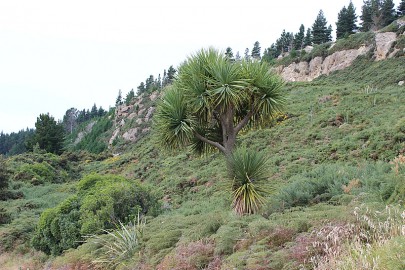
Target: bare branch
{"x":215,"y":144}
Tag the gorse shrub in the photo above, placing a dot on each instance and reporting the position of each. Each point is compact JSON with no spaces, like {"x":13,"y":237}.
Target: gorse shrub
{"x":101,"y":202}
{"x":331,"y":180}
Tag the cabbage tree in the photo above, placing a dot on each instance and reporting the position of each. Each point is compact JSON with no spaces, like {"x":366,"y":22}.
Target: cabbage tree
{"x":213,"y":99}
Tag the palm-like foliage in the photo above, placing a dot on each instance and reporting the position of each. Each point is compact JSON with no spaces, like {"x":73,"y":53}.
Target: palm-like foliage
{"x":120,"y":245}
{"x":213,"y":99}
{"x":248,"y":171}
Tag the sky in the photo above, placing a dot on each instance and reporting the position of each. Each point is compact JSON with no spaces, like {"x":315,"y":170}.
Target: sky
{"x":55,"y":55}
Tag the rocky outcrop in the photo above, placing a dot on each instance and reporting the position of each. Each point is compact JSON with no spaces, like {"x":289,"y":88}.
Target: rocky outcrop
{"x":131,"y":121}
{"x":384,"y":42}
{"x":83,"y":133}
{"x":307,"y":71}
{"x":304,"y":71}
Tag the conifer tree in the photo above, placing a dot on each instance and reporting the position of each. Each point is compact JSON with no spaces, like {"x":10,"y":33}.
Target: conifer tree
{"x":256,"y":51}
{"x":308,"y":38}
{"x":247,"y":56}
{"x":141,"y":88}
{"x":346,"y":24}
{"x":285,"y":42}
{"x":299,"y":38}
{"x":118,"y":101}
{"x":366,"y":16}
{"x":387,"y":12}
{"x":129,"y":97}
{"x":49,"y":134}
{"x":401,"y":9}
{"x":4,"y":175}
{"x":229,"y":53}
{"x":171,"y":72}
{"x":320,"y":32}
{"x":270,"y":53}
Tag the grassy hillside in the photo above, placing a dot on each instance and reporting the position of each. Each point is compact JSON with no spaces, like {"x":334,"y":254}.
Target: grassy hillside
{"x":336,"y":176}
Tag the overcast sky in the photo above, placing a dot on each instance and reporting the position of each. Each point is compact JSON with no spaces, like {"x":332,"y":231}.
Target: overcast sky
{"x":55,"y":55}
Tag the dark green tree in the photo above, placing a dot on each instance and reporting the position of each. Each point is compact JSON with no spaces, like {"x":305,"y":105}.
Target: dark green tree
{"x":94,"y":111}
{"x":141,"y":88}
{"x":308,"y":38}
{"x":4,"y":175}
{"x":285,"y":42}
{"x":320,"y":32}
{"x":70,"y":120}
{"x":229,"y":53}
{"x":49,"y":134}
{"x":388,"y":12}
{"x":247,"y":55}
{"x":270,"y":54}
{"x":118,"y":101}
{"x":346,"y":24}
{"x":129,"y":97}
{"x":299,"y":38}
{"x":171,"y":73}
{"x":256,"y":54}
{"x":149,"y":83}
{"x":401,"y":9}
{"x":366,"y":16}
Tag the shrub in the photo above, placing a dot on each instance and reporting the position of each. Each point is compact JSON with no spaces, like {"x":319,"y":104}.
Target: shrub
{"x":332,"y":180}
{"x":102,"y":201}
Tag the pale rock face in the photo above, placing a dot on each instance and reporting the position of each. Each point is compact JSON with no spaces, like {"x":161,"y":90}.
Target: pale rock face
{"x":337,"y":61}
{"x":149,"y":114}
{"x":401,"y":83}
{"x":384,"y":43}
{"x":132,"y":116}
{"x":115,"y":134}
{"x":130,"y":135}
{"x":154,"y":96}
{"x":318,"y":66}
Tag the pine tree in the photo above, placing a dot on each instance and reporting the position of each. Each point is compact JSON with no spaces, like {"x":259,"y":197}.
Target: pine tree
{"x":299,"y":38}
{"x":320,"y":32}
{"x":256,"y":51}
{"x":346,"y":24}
{"x":129,"y":97}
{"x":387,"y":12}
{"x":247,"y":56}
{"x":351,"y":19}
{"x":341,"y":24}
{"x":4,"y":175}
{"x":328,"y":34}
{"x":94,"y":111}
{"x":70,"y":120}
{"x":270,"y":53}
{"x":49,"y":134}
{"x":171,"y":72}
{"x":308,"y":38}
{"x":118,"y":101}
{"x":366,"y":16}
{"x":229,"y":53}
{"x":141,"y":88}
{"x":285,"y":42}
{"x":401,"y":9}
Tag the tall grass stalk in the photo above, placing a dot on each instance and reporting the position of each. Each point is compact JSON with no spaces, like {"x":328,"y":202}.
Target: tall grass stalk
{"x":365,"y":244}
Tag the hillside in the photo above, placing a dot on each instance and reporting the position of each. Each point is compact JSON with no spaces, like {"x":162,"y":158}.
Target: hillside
{"x":336,"y":176}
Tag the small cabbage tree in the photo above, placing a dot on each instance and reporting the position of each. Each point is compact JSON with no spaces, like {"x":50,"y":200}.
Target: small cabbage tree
{"x":213,"y":99}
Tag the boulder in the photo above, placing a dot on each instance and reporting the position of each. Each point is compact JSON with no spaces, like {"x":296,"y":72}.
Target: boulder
{"x":131,"y":135}
{"x":384,"y":42}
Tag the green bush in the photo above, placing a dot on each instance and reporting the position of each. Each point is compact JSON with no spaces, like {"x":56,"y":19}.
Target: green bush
{"x":332,"y":180}
{"x":102,"y":202}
